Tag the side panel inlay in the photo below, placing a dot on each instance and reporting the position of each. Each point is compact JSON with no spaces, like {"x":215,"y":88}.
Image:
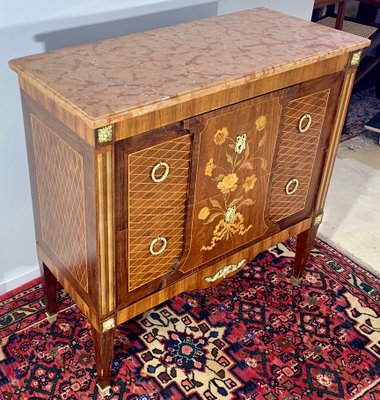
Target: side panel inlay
{"x":60,"y":183}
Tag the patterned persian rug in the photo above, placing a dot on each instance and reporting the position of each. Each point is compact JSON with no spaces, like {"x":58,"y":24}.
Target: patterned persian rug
{"x":363,"y":106}
{"x":254,"y":336}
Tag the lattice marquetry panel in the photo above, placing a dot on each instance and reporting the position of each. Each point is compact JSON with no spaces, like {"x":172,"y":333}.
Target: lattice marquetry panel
{"x":296,"y":154}
{"x":156,"y":209}
{"x":60,"y":184}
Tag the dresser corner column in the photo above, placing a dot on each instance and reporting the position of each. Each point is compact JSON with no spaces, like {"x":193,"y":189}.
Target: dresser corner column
{"x":103,"y":334}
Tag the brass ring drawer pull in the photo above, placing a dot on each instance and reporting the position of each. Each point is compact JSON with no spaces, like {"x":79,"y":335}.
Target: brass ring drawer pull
{"x":162,"y":177}
{"x":304,"y":123}
{"x":292,"y":186}
{"x":154,"y":242}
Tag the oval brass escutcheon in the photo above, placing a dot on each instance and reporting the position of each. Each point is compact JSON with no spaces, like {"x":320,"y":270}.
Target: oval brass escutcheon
{"x":304,"y":123}
{"x":158,"y":245}
{"x":164,"y":175}
{"x":292,"y":186}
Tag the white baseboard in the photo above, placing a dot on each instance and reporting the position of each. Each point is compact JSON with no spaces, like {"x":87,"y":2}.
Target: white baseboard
{"x":21,"y":276}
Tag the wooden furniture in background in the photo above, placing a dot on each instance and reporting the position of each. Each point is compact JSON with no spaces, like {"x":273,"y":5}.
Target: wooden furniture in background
{"x":166,"y":160}
{"x":362,"y":25}
{"x":339,"y":17}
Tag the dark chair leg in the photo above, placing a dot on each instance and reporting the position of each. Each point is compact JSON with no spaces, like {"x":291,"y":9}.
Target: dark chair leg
{"x":103,"y":346}
{"x":50,"y":289}
{"x":305,"y":242}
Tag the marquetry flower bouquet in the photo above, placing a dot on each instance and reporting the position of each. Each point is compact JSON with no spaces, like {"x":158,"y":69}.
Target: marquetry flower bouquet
{"x":229,"y":212}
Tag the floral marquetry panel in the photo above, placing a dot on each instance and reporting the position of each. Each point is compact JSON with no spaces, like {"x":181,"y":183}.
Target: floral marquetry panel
{"x":233,"y":174}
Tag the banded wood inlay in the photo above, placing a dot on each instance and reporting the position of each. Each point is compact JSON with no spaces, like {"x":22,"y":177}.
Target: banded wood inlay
{"x":296,"y":154}
{"x":105,"y":225}
{"x":156,"y":209}
{"x":60,"y":184}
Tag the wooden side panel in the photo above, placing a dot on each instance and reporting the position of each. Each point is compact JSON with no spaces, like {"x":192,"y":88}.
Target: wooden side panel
{"x":62,"y":175}
{"x":297,"y":153}
{"x":60,"y":187}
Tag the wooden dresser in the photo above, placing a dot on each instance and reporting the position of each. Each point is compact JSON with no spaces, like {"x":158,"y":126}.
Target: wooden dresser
{"x":166,"y":160}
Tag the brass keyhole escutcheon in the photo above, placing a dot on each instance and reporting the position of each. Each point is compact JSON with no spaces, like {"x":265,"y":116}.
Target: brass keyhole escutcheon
{"x":292,"y":186}
{"x":304,"y":123}
{"x":158,"y":245}
{"x":161,"y":165}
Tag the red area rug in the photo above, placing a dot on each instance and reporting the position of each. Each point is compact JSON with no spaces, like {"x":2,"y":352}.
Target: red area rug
{"x":254,"y":336}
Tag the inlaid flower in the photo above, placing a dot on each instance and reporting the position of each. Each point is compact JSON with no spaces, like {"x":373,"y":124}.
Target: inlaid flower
{"x":220,"y":136}
{"x":210,"y":166}
{"x":249,"y":183}
{"x":261,"y":123}
{"x":204,"y":213}
{"x":228,"y":183}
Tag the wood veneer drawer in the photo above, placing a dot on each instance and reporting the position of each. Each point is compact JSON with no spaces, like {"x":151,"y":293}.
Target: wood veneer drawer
{"x":152,"y":207}
{"x":300,"y":148}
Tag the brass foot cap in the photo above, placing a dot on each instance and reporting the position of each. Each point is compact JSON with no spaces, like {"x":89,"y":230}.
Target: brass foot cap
{"x":106,"y":391}
{"x":51,"y":318}
{"x":296,"y":281}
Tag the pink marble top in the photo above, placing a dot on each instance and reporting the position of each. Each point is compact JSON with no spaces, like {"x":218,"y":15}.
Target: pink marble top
{"x":133,"y":74}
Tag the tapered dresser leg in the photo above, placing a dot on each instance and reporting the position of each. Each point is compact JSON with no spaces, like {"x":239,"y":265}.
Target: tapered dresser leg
{"x":103,"y":346}
{"x":50,"y":289}
{"x":305,"y":242}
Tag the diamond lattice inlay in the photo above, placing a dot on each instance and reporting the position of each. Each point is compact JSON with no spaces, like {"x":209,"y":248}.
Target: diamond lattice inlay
{"x":156,"y":209}
{"x":60,"y":182}
{"x":296,"y":154}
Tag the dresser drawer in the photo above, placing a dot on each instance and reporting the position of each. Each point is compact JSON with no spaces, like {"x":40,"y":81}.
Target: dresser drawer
{"x":301,"y":142}
{"x":152,"y":207}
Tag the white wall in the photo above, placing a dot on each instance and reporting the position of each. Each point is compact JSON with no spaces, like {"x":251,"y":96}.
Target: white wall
{"x":28,"y":27}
